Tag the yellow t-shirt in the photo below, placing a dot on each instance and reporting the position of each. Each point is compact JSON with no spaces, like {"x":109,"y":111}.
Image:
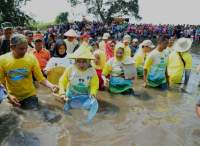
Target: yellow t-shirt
{"x":17,"y":74}
{"x":73,"y":77}
{"x":156,"y":65}
{"x":113,"y":67}
{"x":139,"y":59}
{"x":154,"y":58}
{"x":176,"y":68}
{"x":127,"y":51}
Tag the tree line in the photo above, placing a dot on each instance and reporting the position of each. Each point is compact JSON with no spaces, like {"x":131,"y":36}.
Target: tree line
{"x":10,"y":10}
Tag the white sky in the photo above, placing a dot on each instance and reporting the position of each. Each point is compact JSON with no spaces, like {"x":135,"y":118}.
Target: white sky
{"x":152,"y":11}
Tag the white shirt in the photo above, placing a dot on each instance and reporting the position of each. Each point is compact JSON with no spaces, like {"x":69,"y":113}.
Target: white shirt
{"x":58,"y":62}
{"x":71,"y":46}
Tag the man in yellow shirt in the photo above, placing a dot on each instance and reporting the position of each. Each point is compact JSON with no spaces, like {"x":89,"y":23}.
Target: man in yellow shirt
{"x":16,"y":69}
{"x":155,"y":66}
{"x":180,"y":62}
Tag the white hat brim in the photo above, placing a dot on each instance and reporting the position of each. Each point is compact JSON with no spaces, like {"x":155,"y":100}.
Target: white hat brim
{"x":180,"y":49}
{"x":70,"y":33}
{"x":73,"y":56}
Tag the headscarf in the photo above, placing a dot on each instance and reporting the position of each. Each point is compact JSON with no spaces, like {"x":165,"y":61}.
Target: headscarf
{"x":102,"y":57}
{"x":58,"y":44}
{"x":120,"y":46}
{"x":109,"y":50}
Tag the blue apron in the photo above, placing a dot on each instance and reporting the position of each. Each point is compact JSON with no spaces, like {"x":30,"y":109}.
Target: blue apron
{"x":119,"y":84}
{"x":83,"y":102}
{"x":156,"y":75}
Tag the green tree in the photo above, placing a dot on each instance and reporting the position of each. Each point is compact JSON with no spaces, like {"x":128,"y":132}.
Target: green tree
{"x":62,"y":18}
{"x":10,"y":10}
{"x":106,"y":9}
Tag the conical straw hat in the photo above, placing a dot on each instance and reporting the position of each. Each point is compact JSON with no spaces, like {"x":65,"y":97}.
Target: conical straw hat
{"x":83,"y":52}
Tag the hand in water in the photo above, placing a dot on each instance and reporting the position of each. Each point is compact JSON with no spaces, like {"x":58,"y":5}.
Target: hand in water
{"x":105,"y":81}
{"x":54,"y":88}
{"x":64,"y":98}
{"x":144,"y":84}
{"x":92,"y":95}
{"x":14,"y":101}
{"x":61,"y":98}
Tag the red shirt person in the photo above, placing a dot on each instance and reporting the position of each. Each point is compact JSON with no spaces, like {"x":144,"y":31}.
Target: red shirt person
{"x":41,"y":53}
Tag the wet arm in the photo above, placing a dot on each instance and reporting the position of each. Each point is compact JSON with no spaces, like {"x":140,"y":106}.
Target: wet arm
{"x":147,"y":67}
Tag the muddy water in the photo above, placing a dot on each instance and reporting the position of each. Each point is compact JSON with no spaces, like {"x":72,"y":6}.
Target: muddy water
{"x":154,"y":119}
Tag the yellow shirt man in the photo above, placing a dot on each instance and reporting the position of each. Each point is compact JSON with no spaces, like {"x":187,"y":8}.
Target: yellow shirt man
{"x":156,"y":64}
{"x":17,"y":73}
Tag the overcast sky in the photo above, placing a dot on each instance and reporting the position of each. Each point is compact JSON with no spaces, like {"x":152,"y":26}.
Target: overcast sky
{"x":152,"y":11}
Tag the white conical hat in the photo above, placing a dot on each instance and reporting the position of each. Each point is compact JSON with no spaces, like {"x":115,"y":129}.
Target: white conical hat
{"x":147,"y":43}
{"x":83,"y":52}
{"x":183,"y":44}
{"x":135,"y":40}
{"x":106,"y":36}
{"x":70,"y":33}
{"x":127,"y":38}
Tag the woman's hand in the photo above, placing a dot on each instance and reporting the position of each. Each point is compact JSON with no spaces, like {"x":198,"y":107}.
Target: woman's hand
{"x":64,"y":98}
{"x":93,"y":95}
{"x":61,"y":98}
{"x":144,"y":84}
{"x":54,"y":88}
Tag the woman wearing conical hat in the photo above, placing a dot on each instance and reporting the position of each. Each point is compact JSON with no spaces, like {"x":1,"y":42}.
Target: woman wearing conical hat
{"x":115,"y":68}
{"x":80,"y":83}
{"x":180,"y":62}
{"x":71,"y":41}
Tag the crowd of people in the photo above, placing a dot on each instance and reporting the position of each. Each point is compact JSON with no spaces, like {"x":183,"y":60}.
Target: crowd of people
{"x":118,"y":29}
{"x":93,"y":57}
